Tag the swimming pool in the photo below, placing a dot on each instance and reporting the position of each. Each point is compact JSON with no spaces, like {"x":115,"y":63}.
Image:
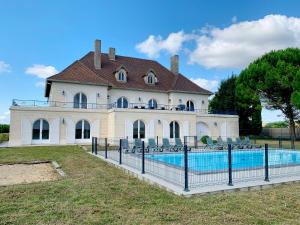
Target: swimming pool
{"x":218,"y":160}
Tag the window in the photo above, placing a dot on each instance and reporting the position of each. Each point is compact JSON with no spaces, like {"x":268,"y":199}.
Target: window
{"x":121,"y":75}
{"x":40,"y":130}
{"x":152,"y":104}
{"x":138,"y":129}
{"x":80,"y":101}
{"x":174,"y":130}
{"x":122,"y":103}
{"x":82,"y":130}
{"x":190,"y":106}
{"x":151,"y":78}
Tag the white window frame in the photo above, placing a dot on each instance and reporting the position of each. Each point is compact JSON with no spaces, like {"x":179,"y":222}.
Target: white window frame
{"x":80,"y":101}
{"x":139,"y":128}
{"x":122,"y":103}
{"x":174,"y":129}
{"x":82,"y":139}
{"x":40,"y":140}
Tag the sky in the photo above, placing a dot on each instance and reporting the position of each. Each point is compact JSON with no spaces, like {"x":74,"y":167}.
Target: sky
{"x":213,"y":39}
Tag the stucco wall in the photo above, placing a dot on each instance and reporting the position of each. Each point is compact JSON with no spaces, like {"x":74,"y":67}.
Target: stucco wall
{"x":114,"y":123}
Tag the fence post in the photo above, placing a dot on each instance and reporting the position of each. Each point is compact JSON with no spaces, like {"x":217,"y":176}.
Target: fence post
{"x":143,"y":157}
{"x":229,"y":166}
{"x":105,"y":148}
{"x":292,"y":142}
{"x":95,"y":143}
{"x":267,"y":162}
{"x":196,"y":142}
{"x":186,"y":169}
{"x":280,"y":142}
{"x":120,"y":152}
{"x":157,"y":140}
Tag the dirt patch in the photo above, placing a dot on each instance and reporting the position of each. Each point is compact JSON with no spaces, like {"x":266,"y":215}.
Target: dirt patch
{"x":26,"y":173}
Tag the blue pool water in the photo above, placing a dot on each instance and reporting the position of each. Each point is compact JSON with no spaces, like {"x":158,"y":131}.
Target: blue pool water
{"x":218,"y":161}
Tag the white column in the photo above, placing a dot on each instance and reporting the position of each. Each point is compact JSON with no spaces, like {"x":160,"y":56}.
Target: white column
{"x":26,"y":131}
{"x":166,"y":129}
{"x":70,"y":126}
{"x":54,"y":131}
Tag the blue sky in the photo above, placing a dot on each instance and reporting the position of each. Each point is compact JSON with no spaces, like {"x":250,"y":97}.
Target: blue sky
{"x":213,"y":38}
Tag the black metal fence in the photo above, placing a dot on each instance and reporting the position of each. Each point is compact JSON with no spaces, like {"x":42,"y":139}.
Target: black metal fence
{"x":192,"y":165}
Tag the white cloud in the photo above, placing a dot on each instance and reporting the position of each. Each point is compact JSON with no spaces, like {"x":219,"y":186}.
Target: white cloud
{"x":153,"y":45}
{"x":239,"y":44}
{"x":4,"y":67}
{"x":206,"y":84}
{"x":40,"y":84}
{"x":234,"y":46}
{"x":41,"y":71}
{"x":4,"y":118}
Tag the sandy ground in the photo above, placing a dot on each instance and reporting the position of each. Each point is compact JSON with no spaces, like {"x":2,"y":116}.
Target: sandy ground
{"x":26,"y":173}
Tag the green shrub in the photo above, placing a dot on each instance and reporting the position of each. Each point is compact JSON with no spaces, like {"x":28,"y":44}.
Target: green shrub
{"x":4,"y":128}
{"x":4,"y":137}
{"x":203,"y":139}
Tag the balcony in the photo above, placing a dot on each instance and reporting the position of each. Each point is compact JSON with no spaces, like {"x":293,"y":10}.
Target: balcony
{"x":136,"y":106}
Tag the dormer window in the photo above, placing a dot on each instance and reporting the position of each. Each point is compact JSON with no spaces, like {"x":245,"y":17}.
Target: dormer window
{"x":121,"y":75}
{"x":151,"y":78}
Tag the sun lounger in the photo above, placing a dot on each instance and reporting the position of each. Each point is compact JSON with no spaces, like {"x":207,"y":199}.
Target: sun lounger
{"x":248,"y":142}
{"x":125,"y":145}
{"x":137,"y":145}
{"x":166,"y":145}
{"x":211,"y":145}
{"x":179,"y":146}
{"x":234,"y":145}
{"x":152,"y":146}
{"x":239,"y":142}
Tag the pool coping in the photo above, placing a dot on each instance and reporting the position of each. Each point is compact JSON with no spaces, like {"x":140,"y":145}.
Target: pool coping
{"x":212,"y":189}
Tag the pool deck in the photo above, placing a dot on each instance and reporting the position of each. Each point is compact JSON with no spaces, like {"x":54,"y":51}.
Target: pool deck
{"x":256,"y":183}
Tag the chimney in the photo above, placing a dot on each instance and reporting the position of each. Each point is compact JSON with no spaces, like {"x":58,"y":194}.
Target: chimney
{"x":174,"y":64}
{"x":112,"y":54}
{"x":97,"y":55}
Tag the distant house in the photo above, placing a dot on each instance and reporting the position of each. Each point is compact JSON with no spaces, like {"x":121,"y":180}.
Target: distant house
{"x":107,"y":95}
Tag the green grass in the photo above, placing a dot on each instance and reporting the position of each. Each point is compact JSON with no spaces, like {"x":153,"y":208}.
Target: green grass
{"x":95,"y":192}
{"x":275,"y":143}
{"x":4,"y":137}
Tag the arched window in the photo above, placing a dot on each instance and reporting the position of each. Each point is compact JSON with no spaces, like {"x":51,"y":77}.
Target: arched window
{"x":152,"y":104}
{"x":121,"y":75}
{"x":80,"y":101}
{"x":40,"y":130}
{"x":82,"y":130}
{"x":190,"y":106}
{"x":138,"y":129}
{"x":150,"y":78}
{"x":122,"y":103}
{"x":174,"y":130}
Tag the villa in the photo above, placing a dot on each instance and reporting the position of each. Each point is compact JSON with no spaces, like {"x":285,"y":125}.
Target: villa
{"x":107,"y":95}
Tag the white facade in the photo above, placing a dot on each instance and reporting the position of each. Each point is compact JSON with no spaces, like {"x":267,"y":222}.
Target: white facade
{"x":104,"y":119}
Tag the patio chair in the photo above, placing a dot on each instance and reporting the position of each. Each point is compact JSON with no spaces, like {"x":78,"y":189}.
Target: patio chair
{"x":152,"y":146}
{"x":166,"y":145}
{"x":125,"y":146}
{"x":210,"y":144}
{"x":220,"y":142}
{"x":240,"y":143}
{"x":247,"y":141}
{"x":179,"y":146}
{"x":137,"y":147}
{"x":234,"y":145}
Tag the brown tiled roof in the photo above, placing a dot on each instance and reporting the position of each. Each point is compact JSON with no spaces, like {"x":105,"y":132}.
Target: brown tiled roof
{"x":83,"y":71}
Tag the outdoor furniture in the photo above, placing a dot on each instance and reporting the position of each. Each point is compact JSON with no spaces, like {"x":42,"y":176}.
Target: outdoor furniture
{"x":124,"y":145}
{"x":241,"y":143}
{"x":179,"y":146}
{"x":220,"y":142}
{"x":230,"y":142}
{"x":210,"y":144}
{"x":166,"y":145}
{"x":248,"y":142}
{"x":152,"y":146}
{"x":137,"y":145}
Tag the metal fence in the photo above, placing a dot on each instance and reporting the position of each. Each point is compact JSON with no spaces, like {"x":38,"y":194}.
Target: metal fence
{"x":191,"y":165}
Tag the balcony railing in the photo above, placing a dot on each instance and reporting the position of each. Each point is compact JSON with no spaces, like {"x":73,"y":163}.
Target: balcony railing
{"x":76,"y":105}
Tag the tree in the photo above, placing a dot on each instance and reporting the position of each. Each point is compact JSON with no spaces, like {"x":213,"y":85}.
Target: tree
{"x":248,"y":109}
{"x":4,"y":128}
{"x":278,"y":124}
{"x":274,"y":79}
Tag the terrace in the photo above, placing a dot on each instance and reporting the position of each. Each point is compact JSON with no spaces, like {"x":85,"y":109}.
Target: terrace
{"x":95,"y":106}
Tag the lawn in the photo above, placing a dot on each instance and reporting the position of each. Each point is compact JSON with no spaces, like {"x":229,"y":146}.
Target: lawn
{"x":96,"y":193}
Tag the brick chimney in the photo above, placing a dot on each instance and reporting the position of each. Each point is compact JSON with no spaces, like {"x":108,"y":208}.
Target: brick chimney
{"x":112,"y":54}
{"x":174,"y":64}
{"x":97,"y":55}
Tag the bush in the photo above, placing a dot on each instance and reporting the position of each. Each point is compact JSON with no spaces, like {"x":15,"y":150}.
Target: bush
{"x":4,"y":128}
{"x":203,"y":139}
{"x":4,"y":137}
